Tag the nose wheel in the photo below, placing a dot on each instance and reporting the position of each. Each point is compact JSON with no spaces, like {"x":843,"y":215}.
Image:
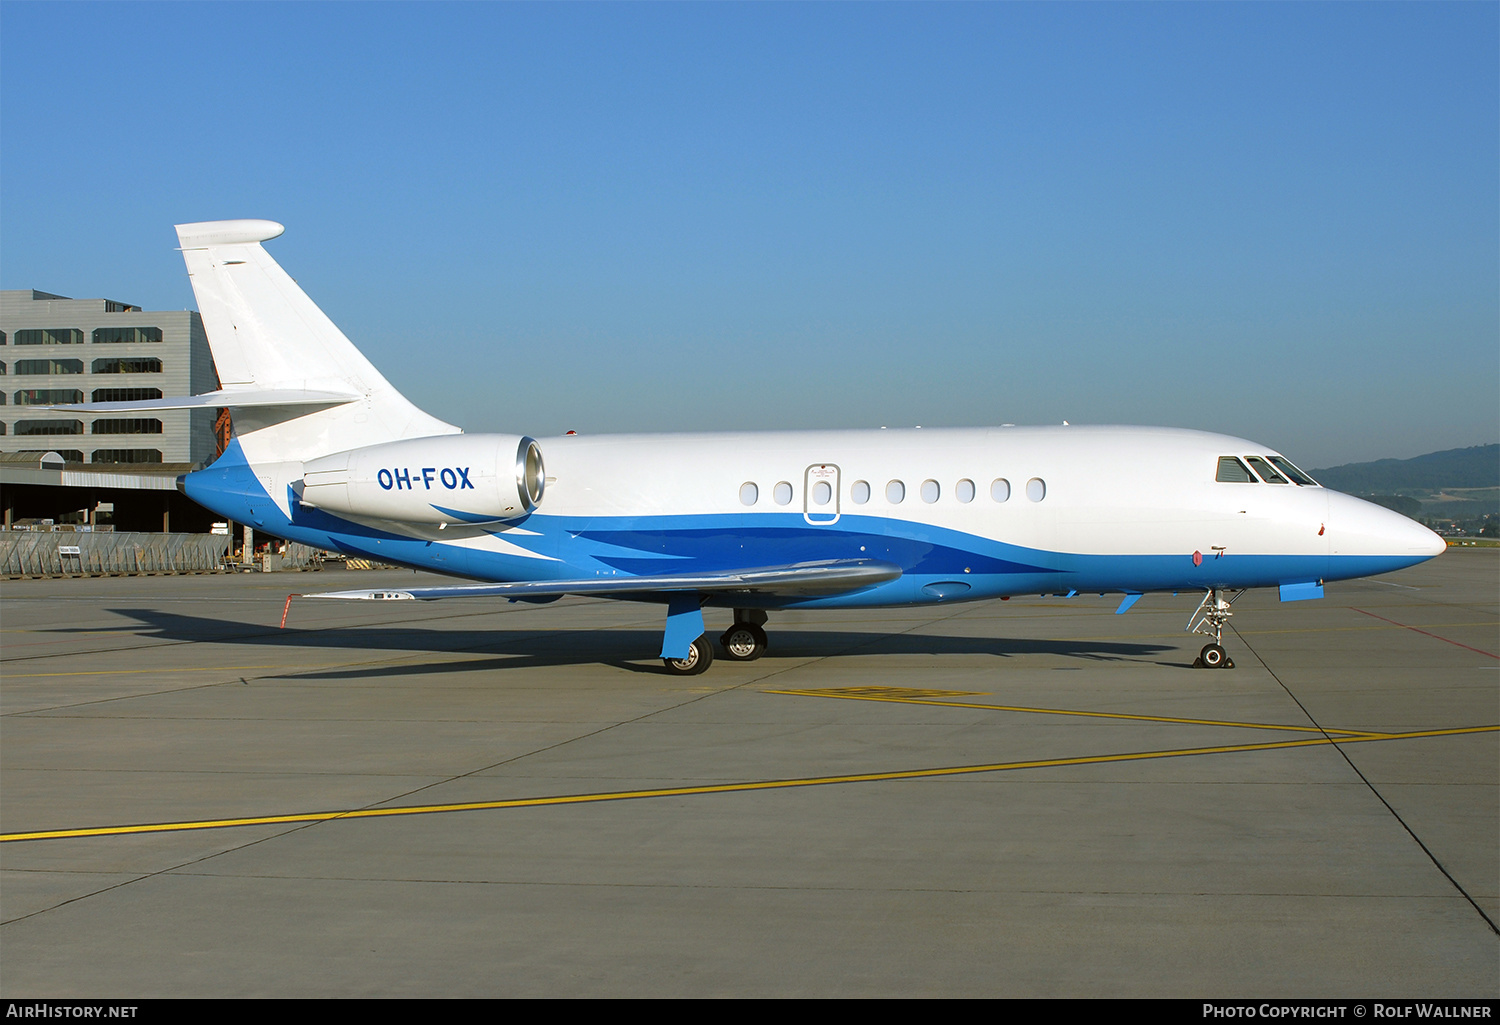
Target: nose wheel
{"x":1213,"y":656}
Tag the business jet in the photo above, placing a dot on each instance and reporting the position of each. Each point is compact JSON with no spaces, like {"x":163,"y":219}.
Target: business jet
{"x":326,"y":452}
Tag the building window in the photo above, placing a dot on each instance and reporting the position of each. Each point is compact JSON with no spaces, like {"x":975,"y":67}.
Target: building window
{"x":126,"y":366}
{"x":70,"y":455}
{"x":50,"y":336}
{"x":125,"y":455}
{"x":135,"y":425}
{"x":49,"y":366}
{"x":125,"y":394}
{"x":2,"y":428}
{"x":2,"y":368}
{"x":48,"y":396}
{"x":118,"y":335}
{"x":35,"y":427}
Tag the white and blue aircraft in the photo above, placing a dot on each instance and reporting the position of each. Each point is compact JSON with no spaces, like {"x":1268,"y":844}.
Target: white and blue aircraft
{"x":326,"y":452}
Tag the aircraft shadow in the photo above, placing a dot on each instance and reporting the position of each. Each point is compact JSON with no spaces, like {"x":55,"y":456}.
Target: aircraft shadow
{"x":514,"y":649}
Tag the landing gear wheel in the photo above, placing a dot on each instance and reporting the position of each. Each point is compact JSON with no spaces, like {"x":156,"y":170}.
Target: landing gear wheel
{"x":699,"y":657}
{"x":1214,"y":657}
{"x":743,"y":642}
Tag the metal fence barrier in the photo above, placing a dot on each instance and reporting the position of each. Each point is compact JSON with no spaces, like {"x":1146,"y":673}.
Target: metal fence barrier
{"x":25,"y":553}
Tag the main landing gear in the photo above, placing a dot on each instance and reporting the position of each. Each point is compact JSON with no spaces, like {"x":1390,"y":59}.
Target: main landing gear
{"x":1209,"y":618}
{"x":745,"y":641}
{"x":699,"y":657}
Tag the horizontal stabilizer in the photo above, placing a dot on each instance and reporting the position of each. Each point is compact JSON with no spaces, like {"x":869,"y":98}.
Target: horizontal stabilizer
{"x":232,"y":398}
{"x":802,"y":579}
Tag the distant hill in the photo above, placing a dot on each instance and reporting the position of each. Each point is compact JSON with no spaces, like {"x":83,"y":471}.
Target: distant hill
{"x":1476,"y":467}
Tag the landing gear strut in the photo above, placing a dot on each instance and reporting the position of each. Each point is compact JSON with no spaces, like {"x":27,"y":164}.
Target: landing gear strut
{"x":745,"y":641}
{"x":1209,"y":618}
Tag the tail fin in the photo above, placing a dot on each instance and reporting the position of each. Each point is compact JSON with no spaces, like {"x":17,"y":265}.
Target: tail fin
{"x":268,"y":338}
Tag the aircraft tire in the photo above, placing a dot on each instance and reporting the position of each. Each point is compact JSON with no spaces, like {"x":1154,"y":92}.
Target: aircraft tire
{"x":700,"y":656}
{"x":743,"y":642}
{"x":1213,"y":657}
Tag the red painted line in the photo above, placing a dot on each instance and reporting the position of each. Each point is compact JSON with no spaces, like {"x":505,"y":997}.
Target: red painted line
{"x":1481,"y":651}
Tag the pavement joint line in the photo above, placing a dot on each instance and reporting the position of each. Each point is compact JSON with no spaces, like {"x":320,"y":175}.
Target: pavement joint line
{"x":834,"y":693}
{"x":720,"y":788}
{"x":1419,"y":630}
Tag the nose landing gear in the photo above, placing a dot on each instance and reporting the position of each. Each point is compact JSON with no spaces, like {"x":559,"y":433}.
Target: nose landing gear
{"x":1209,"y":618}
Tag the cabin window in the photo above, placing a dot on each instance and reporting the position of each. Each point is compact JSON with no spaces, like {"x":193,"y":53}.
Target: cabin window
{"x":1232,"y":471}
{"x":895,"y":492}
{"x":1036,"y":489}
{"x":822,"y":492}
{"x":749,"y":493}
{"x":1267,"y":474}
{"x":930,"y":491}
{"x":859,"y":494}
{"x":1000,"y":489}
{"x":964,"y":491}
{"x":1283,"y":464}
{"x":783,"y":493}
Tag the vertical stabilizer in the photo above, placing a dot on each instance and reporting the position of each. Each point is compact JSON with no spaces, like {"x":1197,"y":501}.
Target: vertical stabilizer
{"x":267,"y":336}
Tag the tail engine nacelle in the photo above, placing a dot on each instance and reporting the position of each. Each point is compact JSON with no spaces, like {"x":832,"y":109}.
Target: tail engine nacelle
{"x":456,"y":478}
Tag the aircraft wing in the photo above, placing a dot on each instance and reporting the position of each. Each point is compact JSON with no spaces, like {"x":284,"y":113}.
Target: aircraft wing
{"x":798,"y":580}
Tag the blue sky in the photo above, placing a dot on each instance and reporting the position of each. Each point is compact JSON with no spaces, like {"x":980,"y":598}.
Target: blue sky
{"x":1274,"y":220}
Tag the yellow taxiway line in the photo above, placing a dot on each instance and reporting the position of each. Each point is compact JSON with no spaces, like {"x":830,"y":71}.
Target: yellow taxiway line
{"x":720,"y":788}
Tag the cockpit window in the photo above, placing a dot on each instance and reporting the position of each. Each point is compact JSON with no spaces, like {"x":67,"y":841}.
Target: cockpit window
{"x":1267,"y":474}
{"x":1232,"y":471}
{"x":1298,"y":477}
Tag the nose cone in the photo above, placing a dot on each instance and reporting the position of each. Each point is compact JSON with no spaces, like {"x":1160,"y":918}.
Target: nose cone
{"x":1364,"y":530}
